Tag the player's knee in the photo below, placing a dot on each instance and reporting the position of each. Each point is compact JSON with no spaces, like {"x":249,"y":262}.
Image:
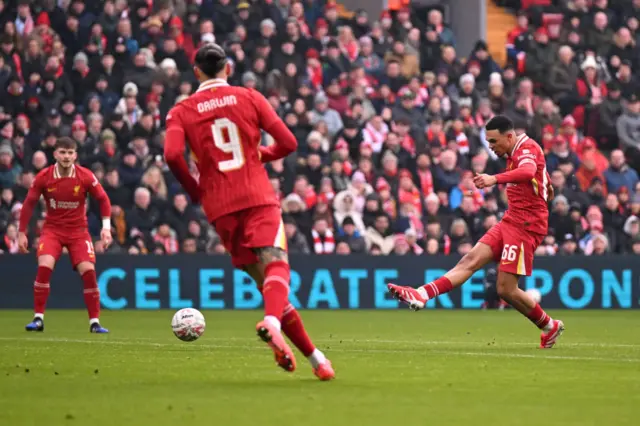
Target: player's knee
{"x":506,"y":289}
{"x":47,"y":261}
{"x":84,"y":267}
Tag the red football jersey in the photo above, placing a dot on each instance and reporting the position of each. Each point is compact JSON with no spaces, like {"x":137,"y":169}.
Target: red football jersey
{"x":528,"y":201}
{"x":65,"y":198}
{"x":222,"y":126}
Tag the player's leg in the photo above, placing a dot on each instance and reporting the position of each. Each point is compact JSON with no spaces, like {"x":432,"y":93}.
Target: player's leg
{"x":416,"y":298}
{"x":293,"y":328}
{"x":83,"y":261}
{"x":49,"y":250}
{"x":273,"y":266}
{"x":242,"y":234}
{"x":517,"y":261}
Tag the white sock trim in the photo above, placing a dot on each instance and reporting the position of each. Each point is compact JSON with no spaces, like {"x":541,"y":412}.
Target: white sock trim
{"x":316,"y":358}
{"x":423,"y":292}
{"x":38,"y":315}
{"x":94,"y":321}
{"x":273,"y":321}
{"x":549,"y":325}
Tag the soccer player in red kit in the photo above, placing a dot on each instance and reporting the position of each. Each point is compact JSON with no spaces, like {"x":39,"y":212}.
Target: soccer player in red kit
{"x":64,"y":187}
{"x":222,"y":126}
{"x":513,"y":241}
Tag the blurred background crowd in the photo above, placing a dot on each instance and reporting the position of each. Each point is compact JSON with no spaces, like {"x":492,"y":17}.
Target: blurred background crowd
{"x":388,"y":115}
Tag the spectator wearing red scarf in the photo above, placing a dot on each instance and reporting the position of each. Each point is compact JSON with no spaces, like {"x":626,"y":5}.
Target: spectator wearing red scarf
{"x":548,"y":136}
{"x":408,"y":192}
{"x":44,"y":32}
{"x":569,"y":132}
{"x":388,"y":202}
{"x":591,"y":91}
{"x":314,"y":68}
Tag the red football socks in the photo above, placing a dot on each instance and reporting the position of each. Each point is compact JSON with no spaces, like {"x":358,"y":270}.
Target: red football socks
{"x":91,"y":294}
{"x":293,"y":328}
{"x":41,"y":289}
{"x":440,"y":286}
{"x":275,"y":288}
{"x":539,"y":317}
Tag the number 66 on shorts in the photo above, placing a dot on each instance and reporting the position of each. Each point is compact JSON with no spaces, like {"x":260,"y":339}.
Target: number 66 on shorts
{"x":513,"y":247}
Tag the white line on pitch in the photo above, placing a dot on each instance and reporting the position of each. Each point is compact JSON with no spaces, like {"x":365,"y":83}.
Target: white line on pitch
{"x":346,"y":350}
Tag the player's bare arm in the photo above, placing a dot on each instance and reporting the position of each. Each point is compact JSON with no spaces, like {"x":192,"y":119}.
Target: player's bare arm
{"x":98,"y":193}
{"x":25,"y":214}
{"x":524,"y":173}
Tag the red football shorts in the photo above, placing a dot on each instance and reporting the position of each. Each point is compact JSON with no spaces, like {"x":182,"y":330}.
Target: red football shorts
{"x":79,"y":246}
{"x":513,"y":248}
{"x":251,"y":228}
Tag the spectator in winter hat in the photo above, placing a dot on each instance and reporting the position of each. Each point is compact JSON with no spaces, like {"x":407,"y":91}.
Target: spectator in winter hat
{"x":322,"y":112}
{"x":628,"y":127}
{"x":296,"y":242}
{"x":344,"y":205}
{"x":249,"y":80}
{"x":9,"y":172}
{"x":408,"y":113}
{"x":351,"y":236}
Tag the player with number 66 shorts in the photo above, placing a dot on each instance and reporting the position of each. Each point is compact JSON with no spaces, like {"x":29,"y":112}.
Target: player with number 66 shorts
{"x":512,"y":242}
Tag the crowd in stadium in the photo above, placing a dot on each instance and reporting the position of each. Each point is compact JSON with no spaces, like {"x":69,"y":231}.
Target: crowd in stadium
{"x":388,"y":116}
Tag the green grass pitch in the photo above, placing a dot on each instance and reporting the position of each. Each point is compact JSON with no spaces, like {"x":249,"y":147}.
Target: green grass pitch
{"x":394,"y":367}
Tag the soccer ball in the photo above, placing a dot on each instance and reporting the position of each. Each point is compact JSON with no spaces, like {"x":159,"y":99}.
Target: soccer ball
{"x":188,"y":324}
{"x":534,"y":293}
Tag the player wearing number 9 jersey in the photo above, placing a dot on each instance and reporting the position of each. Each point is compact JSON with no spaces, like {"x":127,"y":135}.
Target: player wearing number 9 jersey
{"x":513,"y":241}
{"x":222,"y":125}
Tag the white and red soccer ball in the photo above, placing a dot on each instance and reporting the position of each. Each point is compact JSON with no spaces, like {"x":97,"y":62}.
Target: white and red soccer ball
{"x":188,"y":324}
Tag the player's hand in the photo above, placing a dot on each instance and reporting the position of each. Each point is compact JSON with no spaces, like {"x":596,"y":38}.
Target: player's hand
{"x":550,"y":192}
{"x":105,"y":236}
{"x":23,"y":242}
{"x":484,"y":181}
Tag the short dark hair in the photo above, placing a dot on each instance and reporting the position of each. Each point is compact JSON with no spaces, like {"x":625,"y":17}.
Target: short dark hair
{"x":66,"y":143}
{"x":500,"y":123}
{"x":211,"y":59}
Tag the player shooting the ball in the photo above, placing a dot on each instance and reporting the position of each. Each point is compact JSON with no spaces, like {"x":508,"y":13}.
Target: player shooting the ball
{"x":64,"y":187}
{"x":222,"y":126}
{"x":513,"y":241}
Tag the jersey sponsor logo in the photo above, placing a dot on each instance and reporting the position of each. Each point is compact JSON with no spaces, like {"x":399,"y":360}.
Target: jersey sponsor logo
{"x":216,"y":103}
{"x":525,"y":151}
{"x":51,"y":189}
{"x":64,"y":205}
